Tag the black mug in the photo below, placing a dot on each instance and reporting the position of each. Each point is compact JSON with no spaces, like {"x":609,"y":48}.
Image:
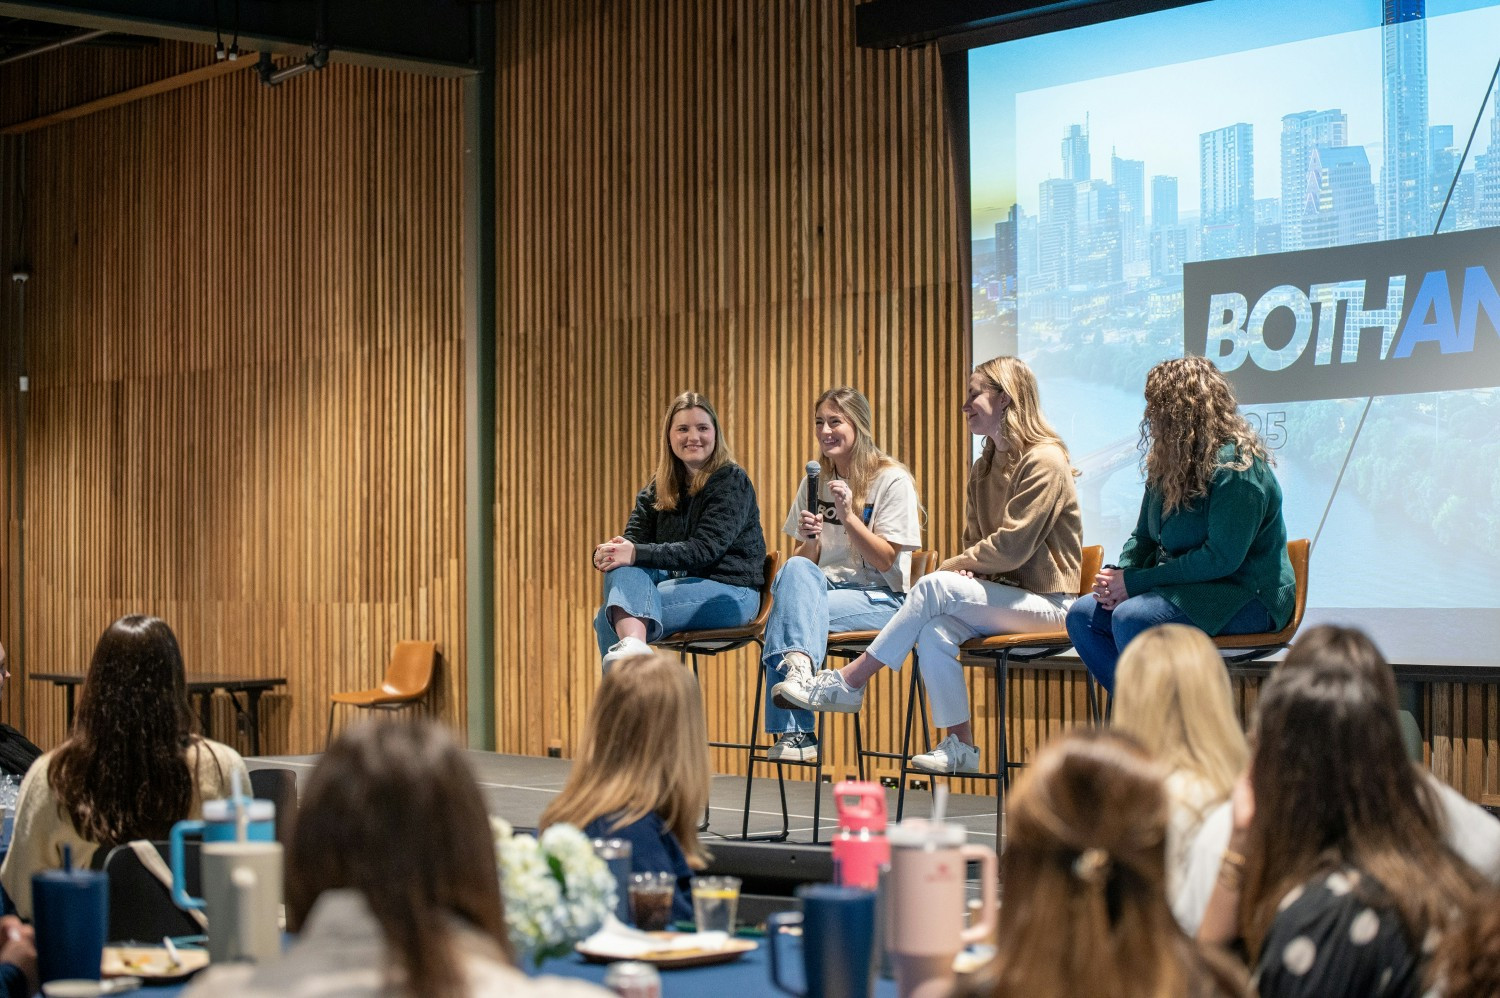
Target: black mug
{"x":838,"y":941}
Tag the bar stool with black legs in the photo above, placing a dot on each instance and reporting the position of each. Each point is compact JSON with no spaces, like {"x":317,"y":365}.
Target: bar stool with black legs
{"x":1002,"y":650}
{"x":715,"y":641}
{"x":849,"y":645}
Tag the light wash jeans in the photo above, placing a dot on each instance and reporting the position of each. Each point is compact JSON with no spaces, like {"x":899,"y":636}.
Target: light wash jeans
{"x":945,"y":609}
{"x":806,"y":609}
{"x":1099,"y":635}
{"x":669,"y":605}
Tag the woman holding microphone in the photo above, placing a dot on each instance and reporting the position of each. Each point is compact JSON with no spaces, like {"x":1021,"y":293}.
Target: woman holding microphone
{"x":1023,"y":545}
{"x":849,"y":570}
{"x":693,"y":554}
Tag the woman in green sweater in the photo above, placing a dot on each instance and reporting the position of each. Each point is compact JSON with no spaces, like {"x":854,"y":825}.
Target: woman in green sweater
{"x":1209,"y":548}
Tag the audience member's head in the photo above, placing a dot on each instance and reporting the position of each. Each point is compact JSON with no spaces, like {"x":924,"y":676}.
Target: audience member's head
{"x":1331,"y":646}
{"x":392,"y":811}
{"x":1333,"y":787}
{"x":645,"y":749}
{"x":132,"y":725}
{"x":1085,"y":908}
{"x":1172,"y":694}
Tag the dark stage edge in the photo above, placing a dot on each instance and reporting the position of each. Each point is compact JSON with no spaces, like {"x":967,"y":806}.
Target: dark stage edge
{"x":518,"y":787}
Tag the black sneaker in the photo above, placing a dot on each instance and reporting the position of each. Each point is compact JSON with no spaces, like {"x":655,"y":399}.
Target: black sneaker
{"x":795,"y":746}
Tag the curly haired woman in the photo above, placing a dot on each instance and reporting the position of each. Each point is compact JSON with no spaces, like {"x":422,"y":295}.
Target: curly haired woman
{"x":1209,"y":548}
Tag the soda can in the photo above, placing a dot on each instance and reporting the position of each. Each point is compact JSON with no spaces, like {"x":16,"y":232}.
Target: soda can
{"x":633,"y":980}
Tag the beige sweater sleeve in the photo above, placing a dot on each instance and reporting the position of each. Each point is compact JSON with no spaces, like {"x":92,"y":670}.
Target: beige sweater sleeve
{"x":42,"y":827}
{"x":1019,"y":506}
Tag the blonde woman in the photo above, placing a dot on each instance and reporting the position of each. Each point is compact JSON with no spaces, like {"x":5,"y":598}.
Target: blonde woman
{"x":642,"y":771}
{"x":693,"y":553}
{"x":1082,"y":871}
{"x":1209,"y":548}
{"x":849,"y":569}
{"x":1018,"y":571}
{"x":1172,"y":694}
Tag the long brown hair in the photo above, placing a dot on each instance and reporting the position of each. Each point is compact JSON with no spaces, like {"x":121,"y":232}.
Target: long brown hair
{"x":122,"y":774}
{"x":393,"y":812}
{"x":645,"y":749}
{"x":866,"y":459}
{"x":1333,"y":787}
{"x":1468,"y":958}
{"x":671,"y":477}
{"x":1025,"y":424}
{"x":1084,"y":881}
{"x":1190,"y":415}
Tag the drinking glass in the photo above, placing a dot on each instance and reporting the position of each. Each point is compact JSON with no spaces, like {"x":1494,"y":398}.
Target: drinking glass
{"x":714,"y":902}
{"x":651,"y":900}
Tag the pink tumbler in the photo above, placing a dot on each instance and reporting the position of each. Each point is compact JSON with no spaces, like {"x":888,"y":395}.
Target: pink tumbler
{"x":860,"y":849}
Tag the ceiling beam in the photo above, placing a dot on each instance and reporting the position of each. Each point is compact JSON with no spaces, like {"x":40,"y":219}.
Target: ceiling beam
{"x":427,"y":36}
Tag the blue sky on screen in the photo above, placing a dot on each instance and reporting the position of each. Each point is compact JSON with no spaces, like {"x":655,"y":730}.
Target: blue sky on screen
{"x":1149,"y":85}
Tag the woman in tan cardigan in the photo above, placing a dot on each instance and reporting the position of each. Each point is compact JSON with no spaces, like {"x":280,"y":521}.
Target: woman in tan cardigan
{"x":1023,"y":545}
{"x":131,"y":768}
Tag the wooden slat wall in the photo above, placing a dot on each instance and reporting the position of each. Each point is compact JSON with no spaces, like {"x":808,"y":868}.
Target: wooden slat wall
{"x":49,"y":83}
{"x":245,"y":360}
{"x":725,"y":196}
{"x":729,"y":196}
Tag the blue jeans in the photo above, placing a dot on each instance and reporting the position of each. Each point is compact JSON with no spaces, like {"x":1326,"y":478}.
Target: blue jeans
{"x":806,"y":609}
{"x":669,"y":605}
{"x":1099,"y":635}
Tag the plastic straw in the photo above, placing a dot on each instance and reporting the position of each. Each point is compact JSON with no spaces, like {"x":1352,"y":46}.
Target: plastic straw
{"x":939,"y":804}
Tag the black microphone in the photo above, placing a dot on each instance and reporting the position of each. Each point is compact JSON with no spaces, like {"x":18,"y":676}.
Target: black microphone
{"x":814,"y":469}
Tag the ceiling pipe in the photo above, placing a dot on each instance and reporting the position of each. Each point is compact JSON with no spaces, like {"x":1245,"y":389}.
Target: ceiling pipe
{"x":61,"y":43}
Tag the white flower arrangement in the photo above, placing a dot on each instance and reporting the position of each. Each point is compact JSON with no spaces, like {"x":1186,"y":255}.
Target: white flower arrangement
{"x":556,"y":891}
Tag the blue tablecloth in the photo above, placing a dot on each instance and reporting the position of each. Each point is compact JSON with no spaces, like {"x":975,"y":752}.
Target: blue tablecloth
{"x":749,"y":975}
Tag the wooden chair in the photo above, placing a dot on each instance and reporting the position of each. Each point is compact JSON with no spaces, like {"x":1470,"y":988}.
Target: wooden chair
{"x":716,"y":641}
{"x":849,"y":645}
{"x":1238,"y":649}
{"x":408,"y":677}
{"x":1002,"y":649}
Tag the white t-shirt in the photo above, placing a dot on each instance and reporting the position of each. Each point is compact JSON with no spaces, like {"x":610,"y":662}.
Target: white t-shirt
{"x":891,"y":511}
{"x":1471,"y":832}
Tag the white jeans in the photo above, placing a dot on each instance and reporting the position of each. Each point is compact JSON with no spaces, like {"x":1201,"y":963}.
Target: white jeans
{"x":945,"y":609}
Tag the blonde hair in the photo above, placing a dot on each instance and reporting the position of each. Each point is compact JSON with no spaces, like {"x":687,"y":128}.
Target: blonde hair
{"x":1025,"y":425}
{"x":1190,"y":414}
{"x":1172,"y":693}
{"x":671,"y":476}
{"x":1084,"y":875}
{"x":866,"y":459}
{"x":645,"y":749}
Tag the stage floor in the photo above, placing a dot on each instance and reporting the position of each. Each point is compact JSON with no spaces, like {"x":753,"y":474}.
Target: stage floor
{"x":518,"y":787}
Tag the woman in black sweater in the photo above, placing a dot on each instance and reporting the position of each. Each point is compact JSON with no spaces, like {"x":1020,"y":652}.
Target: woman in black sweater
{"x":693,"y":554}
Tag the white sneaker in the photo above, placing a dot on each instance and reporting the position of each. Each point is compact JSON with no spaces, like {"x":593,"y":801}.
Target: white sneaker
{"x":799,"y":670}
{"x":951,"y":756}
{"x":825,"y":691}
{"x":794,"y":746}
{"x":625,"y":648}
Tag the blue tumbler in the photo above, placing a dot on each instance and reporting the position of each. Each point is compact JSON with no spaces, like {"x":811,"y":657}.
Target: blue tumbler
{"x":838,"y":942}
{"x":71,"y":910}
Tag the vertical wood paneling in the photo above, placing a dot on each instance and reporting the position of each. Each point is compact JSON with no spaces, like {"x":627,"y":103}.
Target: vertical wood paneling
{"x":245,"y":366}
{"x":728,"y":197}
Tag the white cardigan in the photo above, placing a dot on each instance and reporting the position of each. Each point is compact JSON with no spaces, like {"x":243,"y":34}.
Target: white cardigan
{"x":42,"y":826}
